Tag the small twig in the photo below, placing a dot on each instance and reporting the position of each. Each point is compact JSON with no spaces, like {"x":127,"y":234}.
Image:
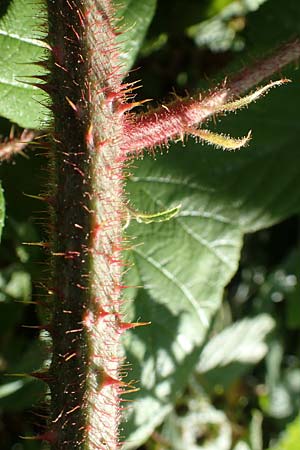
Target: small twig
{"x":168,"y":122}
{"x":16,"y":145}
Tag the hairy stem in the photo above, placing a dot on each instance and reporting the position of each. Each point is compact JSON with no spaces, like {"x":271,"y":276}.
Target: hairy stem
{"x":171,"y":121}
{"x":87,"y":204}
{"x":91,"y":138}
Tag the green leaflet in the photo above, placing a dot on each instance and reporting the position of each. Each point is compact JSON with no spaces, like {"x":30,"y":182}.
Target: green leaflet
{"x":221,"y":140}
{"x":252,"y":97}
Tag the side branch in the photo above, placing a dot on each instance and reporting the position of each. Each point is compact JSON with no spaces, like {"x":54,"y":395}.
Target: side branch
{"x":16,"y":145}
{"x":173,"y":121}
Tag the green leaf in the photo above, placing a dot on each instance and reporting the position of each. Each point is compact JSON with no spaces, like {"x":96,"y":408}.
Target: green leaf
{"x":281,"y":23}
{"x":224,"y":22}
{"x":203,"y":427}
{"x":15,"y":283}
{"x":136,"y":16}
{"x":291,"y":437}
{"x":243,"y":342}
{"x":19,"y":392}
{"x":20,"y":101}
{"x":15,"y":290}
{"x":281,"y":399}
{"x":185,"y":264}
{"x":10,"y":388}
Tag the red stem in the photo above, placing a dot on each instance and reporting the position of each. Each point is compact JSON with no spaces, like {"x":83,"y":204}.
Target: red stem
{"x":168,"y":122}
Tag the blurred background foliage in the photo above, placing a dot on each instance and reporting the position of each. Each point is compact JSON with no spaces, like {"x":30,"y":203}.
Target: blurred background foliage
{"x":244,"y":392}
